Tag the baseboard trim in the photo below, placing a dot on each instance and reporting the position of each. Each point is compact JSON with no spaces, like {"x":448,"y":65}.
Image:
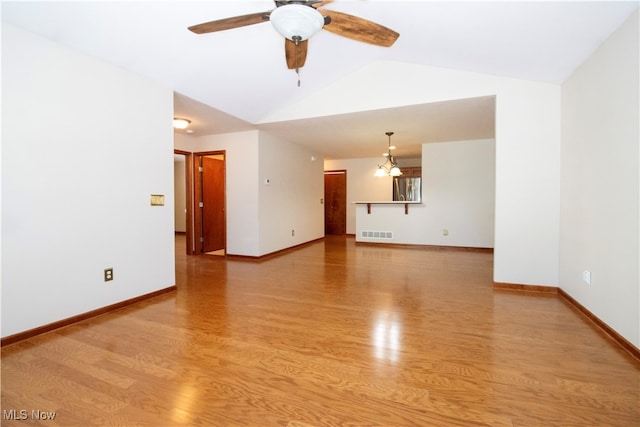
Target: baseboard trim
{"x":540,"y":289}
{"x":553,"y":290}
{"x":21,"y":336}
{"x":606,"y":329}
{"x":272,"y":254}
{"x":427,"y":247}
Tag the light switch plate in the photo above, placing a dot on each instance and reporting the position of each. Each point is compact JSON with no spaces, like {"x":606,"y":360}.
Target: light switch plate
{"x":157,"y":200}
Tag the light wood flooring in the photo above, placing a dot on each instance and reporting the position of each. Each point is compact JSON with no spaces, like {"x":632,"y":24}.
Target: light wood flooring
{"x":330,"y":334}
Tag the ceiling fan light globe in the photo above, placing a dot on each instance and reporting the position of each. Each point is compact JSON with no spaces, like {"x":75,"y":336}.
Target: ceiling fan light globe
{"x":296,"y":21}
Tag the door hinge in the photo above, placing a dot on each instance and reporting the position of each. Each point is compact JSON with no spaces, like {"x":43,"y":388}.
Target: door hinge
{"x":201,"y":204}
{"x":201,"y":239}
{"x":199,"y":168}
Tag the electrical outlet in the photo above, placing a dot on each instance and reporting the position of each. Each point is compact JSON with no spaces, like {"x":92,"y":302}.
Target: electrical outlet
{"x":108,"y":274}
{"x":445,"y":232}
{"x":293,"y":232}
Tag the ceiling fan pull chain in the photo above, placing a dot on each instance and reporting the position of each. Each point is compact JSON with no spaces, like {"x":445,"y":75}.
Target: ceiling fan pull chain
{"x":298,"y":73}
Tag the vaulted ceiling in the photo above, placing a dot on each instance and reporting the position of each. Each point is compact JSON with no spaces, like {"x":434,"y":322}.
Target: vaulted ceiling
{"x":234,"y":80}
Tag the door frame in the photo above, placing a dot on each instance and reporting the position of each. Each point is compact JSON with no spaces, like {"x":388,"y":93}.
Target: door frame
{"x":338,"y":172}
{"x":188,"y":176}
{"x":197,"y":197}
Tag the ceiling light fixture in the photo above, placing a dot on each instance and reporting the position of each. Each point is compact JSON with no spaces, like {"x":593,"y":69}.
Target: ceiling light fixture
{"x":179,"y":123}
{"x":296,"y":21}
{"x":390,"y":166}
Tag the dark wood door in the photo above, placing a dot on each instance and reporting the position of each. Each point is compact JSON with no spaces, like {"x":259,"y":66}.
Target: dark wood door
{"x":213,"y":204}
{"x":335,"y":202}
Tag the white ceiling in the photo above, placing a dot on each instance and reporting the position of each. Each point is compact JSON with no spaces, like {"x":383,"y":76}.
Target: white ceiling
{"x":232,"y":80}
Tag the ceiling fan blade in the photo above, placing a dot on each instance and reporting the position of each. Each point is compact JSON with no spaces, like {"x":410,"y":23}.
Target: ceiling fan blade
{"x":229,"y":23}
{"x":359,"y":29}
{"x":296,"y":54}
{"x":321,"y":3}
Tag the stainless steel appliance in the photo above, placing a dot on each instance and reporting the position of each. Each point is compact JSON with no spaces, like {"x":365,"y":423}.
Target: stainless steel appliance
{"x":407,"y":189}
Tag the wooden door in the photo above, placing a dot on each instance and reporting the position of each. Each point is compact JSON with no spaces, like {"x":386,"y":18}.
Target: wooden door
{"x":335,"y":202}
{"x":213,"y":235}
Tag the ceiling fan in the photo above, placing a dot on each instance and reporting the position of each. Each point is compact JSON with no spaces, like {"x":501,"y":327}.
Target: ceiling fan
{"x":297,"y":20}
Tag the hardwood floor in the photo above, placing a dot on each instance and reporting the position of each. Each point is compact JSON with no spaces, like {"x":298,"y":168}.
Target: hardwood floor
{"x":329,"y":334}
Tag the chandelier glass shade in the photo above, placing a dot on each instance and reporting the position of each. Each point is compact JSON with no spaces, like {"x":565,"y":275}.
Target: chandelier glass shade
{"x":390,"y":166}
{"x":296,"y":22}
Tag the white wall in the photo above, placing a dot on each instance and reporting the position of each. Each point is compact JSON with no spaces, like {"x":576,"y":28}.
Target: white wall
{"x":361,"y":184}
{"x":292,"y":199}
{"x":600,"y":217}
{"x":84,"y":145}
{"x":458,"y":191}
{"x":527,"y":150}
{"x":260,"y":217}
{"x":242,"y":190}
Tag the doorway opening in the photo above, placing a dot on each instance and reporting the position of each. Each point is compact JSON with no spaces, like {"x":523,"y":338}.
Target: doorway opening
{"x":335,"y":202}
{"x":182,"y":182}
{"x":210,"y":203}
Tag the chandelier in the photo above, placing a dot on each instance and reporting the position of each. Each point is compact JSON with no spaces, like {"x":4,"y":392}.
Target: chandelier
{"x":390,"y":166}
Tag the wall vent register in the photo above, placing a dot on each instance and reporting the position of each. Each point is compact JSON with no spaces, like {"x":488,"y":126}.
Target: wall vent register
{"x":377,"y":234}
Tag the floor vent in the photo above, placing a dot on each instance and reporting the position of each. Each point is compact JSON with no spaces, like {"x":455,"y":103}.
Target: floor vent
{"x":377,"y":235}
